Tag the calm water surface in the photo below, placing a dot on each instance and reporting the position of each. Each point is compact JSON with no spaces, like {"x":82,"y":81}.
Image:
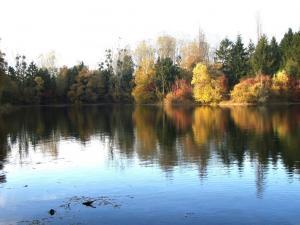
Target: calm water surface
{"x":148,"y":165}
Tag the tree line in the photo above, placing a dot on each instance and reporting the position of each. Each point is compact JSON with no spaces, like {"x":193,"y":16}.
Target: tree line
{"x":170,"y":70}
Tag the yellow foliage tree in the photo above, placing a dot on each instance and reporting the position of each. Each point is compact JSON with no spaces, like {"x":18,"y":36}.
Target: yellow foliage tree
{"x":205,"y":88}
{"x":280,"y":84}
{"x":143,"y":91}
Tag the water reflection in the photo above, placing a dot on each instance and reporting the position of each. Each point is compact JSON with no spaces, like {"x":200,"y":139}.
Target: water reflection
{"x":167,"y":137}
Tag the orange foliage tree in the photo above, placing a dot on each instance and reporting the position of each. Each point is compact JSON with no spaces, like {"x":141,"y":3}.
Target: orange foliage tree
{"x":252,"y":90}
{"x":181,"y":93}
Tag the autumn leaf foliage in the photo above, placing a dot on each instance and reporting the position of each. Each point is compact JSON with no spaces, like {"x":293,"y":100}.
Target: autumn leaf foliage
{"x":206,"y":88}
{"x":181,"y":93}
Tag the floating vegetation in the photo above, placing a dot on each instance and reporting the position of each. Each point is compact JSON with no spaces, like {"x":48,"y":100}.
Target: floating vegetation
{"x":90,"y":202}
{"x":73,"y":203}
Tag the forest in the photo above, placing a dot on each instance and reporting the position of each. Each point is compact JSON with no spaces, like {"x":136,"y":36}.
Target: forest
{"x":169,"y":71}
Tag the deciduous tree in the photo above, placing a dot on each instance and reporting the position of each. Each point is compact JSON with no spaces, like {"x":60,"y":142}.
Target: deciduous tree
{"x":166,"y":47}
{"x":206,"y":89}
{"x":166,"y":73}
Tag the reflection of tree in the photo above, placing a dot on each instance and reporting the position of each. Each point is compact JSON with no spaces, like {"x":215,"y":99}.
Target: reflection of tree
{"x":144,"y":119}
{"x":156,"y":136}
{"x":260,"y":179}
{"x":123,"y":129}
{"x":252,"y":118}
{"x":32,"y":127}
{"x":193,"y":153}
{"x":168,"y":136}
{"x":111,"y":121}
{"x":45,"y":126}
{"x":180,"y":116}
{"x":286,"y":125}
{"x":2,"y":178}
{"x":208,"y":123}
{"x":4,"y":147}
{"x":270,"y":133}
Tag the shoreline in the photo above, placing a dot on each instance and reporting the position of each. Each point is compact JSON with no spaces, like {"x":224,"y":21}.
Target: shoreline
{"x":225,"y":103}
{"x":7,"y":108}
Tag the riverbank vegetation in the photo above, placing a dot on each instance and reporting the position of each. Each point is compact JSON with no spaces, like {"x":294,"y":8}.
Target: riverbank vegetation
{"x":170,"y":71}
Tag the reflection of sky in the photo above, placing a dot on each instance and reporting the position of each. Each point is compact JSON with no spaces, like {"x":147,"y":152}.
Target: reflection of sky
{"x":90,"y":170}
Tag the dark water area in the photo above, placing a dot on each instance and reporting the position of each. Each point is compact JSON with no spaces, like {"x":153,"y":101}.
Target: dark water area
{"x":144,"y":165}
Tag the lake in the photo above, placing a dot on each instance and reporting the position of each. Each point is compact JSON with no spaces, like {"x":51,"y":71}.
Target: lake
{"x":147,"y":165}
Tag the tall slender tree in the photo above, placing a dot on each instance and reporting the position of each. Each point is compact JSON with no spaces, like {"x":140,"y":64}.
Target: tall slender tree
{"x":274,"y":56}
{"x":261,"y":60}
{"x":124,"y":73}
{"x":234,"y":59}
{"x":290,"y":49}
{"x":223,"y":55}
{"x":239,"y":60}
{"x":286,"y":46}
